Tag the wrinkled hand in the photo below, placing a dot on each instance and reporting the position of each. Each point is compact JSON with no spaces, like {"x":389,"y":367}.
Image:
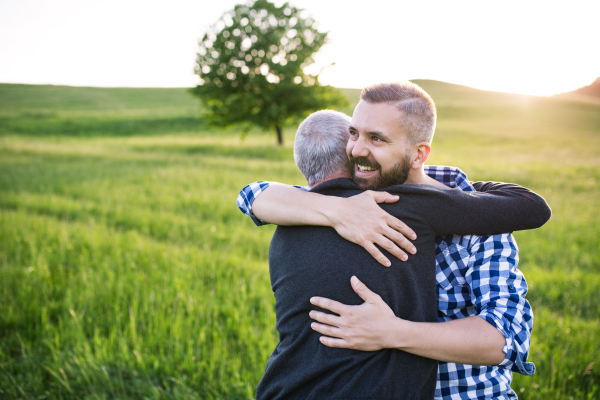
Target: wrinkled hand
{"x":365,"y":327}
{"x":360,"y":220}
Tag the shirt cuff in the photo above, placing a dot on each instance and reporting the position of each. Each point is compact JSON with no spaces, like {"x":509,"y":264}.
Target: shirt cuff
{"x":515,"y":359}
{"x":247,"y":196}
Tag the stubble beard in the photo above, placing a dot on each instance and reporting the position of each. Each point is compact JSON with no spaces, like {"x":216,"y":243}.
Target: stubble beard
{"x":397,"y":175}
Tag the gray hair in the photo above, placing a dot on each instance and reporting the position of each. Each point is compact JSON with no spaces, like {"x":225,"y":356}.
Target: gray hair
{"x":320,"y":145}
{"x":417,"y":107}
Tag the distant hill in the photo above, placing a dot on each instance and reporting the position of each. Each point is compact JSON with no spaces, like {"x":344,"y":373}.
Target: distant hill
{"x":158,"y":102}
{"x":95,"y":100}
{"x":452,"y":95}
{"x":464,"y":113}
{"x":589,"y":92}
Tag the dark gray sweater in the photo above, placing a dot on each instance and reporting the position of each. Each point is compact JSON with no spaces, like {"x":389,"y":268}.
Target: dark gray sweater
{"x":307,"y":261}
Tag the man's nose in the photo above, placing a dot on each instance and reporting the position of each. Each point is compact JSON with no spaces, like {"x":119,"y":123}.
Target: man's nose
{"x":360,"y":148}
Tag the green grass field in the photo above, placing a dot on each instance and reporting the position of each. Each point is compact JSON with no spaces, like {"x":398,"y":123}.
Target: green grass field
{"x":127,"y":271}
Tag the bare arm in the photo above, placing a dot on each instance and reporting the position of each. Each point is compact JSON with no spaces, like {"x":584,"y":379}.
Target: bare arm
{"x":373,"y":326}
{"x":358,"y":219}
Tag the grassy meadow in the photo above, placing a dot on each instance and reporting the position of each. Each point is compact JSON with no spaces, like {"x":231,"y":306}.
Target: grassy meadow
{"x":127,"y":271}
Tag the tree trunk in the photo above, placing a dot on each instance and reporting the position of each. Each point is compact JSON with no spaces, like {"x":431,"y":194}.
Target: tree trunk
{"x":279,"y":135}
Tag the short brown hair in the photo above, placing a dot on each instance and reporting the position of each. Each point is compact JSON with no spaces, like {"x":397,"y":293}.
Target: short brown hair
{"x":417,"y":107}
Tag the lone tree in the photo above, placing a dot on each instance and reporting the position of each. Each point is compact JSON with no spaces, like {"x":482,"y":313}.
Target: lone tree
{"x":251,"y":66}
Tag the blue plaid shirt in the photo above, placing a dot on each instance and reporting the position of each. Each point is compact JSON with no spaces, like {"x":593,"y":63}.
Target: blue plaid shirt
{"x":476,"y":275}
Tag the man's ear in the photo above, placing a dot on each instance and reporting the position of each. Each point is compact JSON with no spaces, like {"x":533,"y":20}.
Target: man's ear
{"x":423,"y":149}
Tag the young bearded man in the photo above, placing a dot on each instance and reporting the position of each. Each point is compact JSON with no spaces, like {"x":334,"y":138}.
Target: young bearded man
{"x":484,"y":320}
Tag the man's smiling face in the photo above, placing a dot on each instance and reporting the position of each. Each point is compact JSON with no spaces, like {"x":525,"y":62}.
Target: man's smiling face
{"x":378,"y":148}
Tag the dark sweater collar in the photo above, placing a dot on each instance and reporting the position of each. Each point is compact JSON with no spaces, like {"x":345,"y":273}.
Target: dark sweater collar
{"x":337,"y":183}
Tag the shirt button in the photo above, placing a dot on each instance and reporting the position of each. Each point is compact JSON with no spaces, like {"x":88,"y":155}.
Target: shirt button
{"x":511,"y":287}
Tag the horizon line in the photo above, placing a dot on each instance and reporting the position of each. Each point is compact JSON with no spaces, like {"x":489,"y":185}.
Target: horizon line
{"x":352,"y":88}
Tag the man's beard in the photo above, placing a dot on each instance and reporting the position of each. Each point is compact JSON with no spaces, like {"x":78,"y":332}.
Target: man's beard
{"x":397,"y":175}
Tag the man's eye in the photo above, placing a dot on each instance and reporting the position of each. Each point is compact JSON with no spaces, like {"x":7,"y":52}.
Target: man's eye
{"x":377,"y":139}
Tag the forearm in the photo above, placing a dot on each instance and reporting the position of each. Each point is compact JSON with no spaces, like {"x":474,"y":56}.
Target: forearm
{"x":373,"y":326}
{"x":470,"y":340}
{"x":286,"y":205}
{"x":535,"y":212}
{"x":504,"y":208}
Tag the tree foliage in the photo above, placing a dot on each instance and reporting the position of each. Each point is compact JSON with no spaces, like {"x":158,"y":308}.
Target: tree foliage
{"x":251,"y":65}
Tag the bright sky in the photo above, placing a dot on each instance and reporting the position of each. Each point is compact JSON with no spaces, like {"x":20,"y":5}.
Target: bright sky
{"x":525,"y":46}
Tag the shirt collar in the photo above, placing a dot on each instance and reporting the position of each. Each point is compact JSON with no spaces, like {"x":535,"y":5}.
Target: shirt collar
{"x":449,"y":176}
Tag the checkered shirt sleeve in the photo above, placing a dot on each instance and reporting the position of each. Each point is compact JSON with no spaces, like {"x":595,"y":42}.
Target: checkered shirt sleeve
{"x":246,"y":198}
{"x":249,"y":193}
{"x":499,"y":290}
{"x":478,"y":276}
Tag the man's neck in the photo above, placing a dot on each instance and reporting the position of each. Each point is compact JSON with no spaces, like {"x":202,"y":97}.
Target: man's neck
{"x":418,"y":176}
{"x":334,"y":176}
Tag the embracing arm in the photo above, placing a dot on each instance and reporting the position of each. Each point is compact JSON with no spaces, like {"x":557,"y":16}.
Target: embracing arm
{"x":286,"y":205}
{"x":358,"y":219}
{"x":373,"y":326}
{"x":498,"y":333}
{"x":531,"y":203}
{"x":499,"y":208}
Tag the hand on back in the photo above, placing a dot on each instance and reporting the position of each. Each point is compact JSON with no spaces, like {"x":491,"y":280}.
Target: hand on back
{"x":366,"y":327}
{"x":360,"y":220}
